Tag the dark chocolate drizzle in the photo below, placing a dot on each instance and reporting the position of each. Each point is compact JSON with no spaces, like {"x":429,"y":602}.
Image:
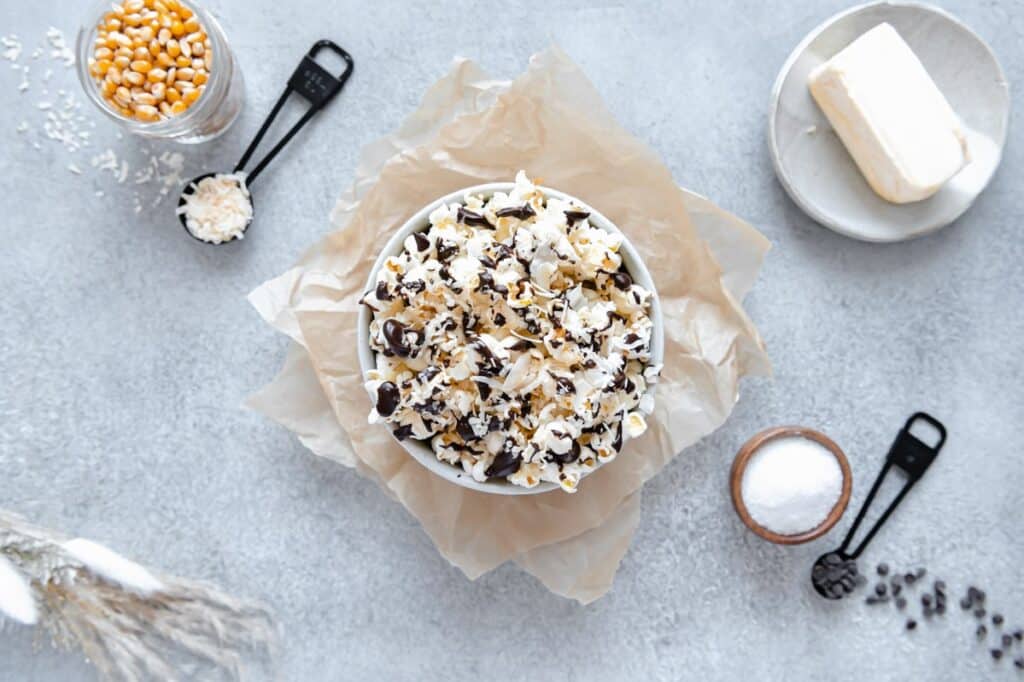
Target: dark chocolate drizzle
{"x":522,"y":212}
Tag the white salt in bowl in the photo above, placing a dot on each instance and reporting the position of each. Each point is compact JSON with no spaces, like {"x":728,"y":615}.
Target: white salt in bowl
{"x":750,"y":450}
{"x":421,"y":451}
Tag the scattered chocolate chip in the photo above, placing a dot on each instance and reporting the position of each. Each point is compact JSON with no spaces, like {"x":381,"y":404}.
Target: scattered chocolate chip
{"x":883,"y":569}
{"x":920,"y":573}
{"x":382,"y":292}
{"x":940,"y":609}
{"x":911,"y":623}
{"x":940,"y":587}
{"x":981,"y":632}
{"x":926,"y":600}
{"x":1007,"y":641}
{"x":901,"y":603}
{"x":965,"y":603}
{"x":979,"y":612}
{"x":897,"y":589}
{"x":880,"y":589}
{"x":1019,"y":662}
{"x":975,"y":594}
{"x":388,"y":398}
{"x":909,"y":578}
{"x":1018,"y":635}
{"x":997,"y":654}
{"x":403,"y":432}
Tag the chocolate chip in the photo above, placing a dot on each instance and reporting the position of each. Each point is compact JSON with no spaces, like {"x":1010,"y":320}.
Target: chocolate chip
{"x":403,"y":432}
{"x":883,"y":569}
{"x":388,"y":398}
{"x":422,"y":243}
{"x":485,"y":390}
{"x":505,"y":464}
{"x":880,"y":589}
{"x":1019,"y":662}
{"x":622,"y":280}
{"x":445,"y":251}
{"x":394,"y":334}
{"x":926,"y":600}
{"x":382,"y":292}
{"x":465,"y":429}
{"x":1018,"y":635}
{"x":997,"y":619}
{"x":940,"y":587}
{"x":1007,"y":641}
{"x":897,"y":589}
{"x":522,"y":212}
{"x":901,"y":603}
{"x":573,"y":217}
{"x":565,"y":386}
{"x":467,"y":217}
{"x":979,"y":612}
{"x":997,"y":654}
{"x":981,"y":632}
{"x":911,"y":624}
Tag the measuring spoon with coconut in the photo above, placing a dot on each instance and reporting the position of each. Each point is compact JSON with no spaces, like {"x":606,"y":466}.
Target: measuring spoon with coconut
{"x":217,"y":208}
{"x":835,"y":573}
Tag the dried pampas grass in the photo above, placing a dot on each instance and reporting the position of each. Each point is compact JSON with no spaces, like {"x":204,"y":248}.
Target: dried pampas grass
{"x":132,"y":624}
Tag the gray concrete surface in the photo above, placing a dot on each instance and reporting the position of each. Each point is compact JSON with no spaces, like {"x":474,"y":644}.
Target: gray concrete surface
{"x":126,"y":350}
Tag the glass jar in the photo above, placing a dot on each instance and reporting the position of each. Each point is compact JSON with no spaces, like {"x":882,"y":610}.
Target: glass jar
{"x":210,"y":115}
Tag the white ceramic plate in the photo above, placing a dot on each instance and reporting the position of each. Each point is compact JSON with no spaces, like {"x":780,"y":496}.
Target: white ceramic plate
{"x":814,"y":166}
{"x":420,"y":451}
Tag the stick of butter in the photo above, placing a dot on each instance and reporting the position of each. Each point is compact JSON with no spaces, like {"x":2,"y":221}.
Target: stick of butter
{"x":894,"y":121}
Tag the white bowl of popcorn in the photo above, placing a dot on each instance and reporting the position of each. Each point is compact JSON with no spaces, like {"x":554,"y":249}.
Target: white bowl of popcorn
{"x":510,"y":338}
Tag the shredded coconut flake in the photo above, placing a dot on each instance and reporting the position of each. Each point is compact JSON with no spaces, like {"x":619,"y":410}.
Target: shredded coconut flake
{"x":218,"y":208}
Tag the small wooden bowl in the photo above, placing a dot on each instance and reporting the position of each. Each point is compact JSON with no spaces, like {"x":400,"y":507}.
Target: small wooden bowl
{"x":739,"y":466}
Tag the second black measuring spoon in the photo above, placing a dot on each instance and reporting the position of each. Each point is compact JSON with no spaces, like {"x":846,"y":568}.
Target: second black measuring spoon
{"x":316,"y":85}
{"x":835,"y":573}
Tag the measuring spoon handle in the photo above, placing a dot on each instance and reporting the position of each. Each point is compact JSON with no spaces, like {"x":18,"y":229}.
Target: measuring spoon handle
{"x":316,"y":85}
{"x":911,"y":456}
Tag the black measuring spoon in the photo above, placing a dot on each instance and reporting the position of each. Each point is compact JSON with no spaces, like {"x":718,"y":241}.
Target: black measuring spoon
{"x":835,"y":573}
{"x":311,"y":81}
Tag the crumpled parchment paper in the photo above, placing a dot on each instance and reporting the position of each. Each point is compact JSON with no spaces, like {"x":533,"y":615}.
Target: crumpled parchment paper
{"x":468,"y":130}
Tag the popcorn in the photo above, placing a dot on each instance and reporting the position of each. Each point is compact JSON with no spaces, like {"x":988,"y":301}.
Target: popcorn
{"x":508,"y":334}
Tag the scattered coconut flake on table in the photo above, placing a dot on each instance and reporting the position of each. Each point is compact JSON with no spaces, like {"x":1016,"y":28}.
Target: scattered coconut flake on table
{"x":218,"y":209}
{"x":11,"y":47}
{"x":62,"y":120}
{"x":791,"y":484}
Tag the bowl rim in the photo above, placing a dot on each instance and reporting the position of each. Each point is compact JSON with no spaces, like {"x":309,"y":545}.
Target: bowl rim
{"x":367,"y":357}
{"x":739,"y":467}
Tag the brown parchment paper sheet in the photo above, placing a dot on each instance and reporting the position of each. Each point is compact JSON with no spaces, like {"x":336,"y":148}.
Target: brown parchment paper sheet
{"x":468,"y":130}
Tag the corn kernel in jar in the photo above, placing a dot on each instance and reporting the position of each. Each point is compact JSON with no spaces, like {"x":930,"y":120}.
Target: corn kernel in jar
{"x":151,"y":58}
